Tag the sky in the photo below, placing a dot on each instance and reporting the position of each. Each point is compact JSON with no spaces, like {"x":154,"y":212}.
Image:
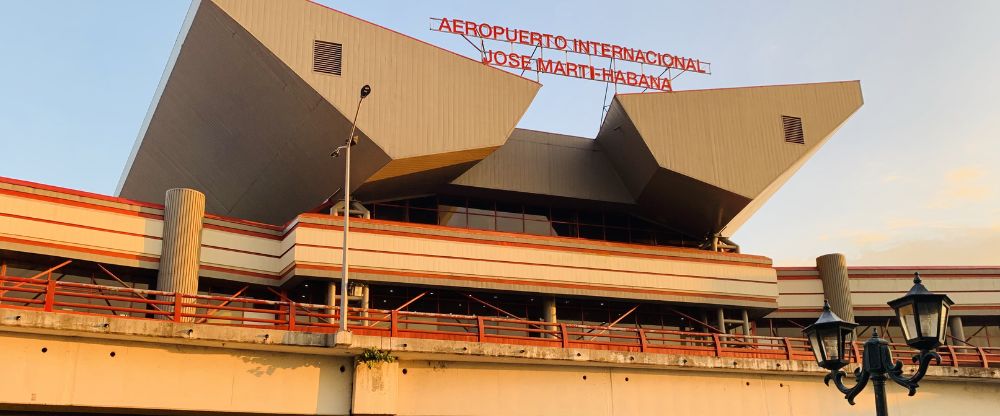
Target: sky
{"x":913,"y":178}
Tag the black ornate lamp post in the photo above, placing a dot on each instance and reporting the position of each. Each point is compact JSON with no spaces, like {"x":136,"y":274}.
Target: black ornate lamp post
{"x":922,"y":315}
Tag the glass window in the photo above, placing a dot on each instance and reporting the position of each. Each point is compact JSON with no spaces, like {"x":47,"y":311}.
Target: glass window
{"x":565,"y":230}
{"x":423,"y":216}
{"x":509,"y":210}
{"x":592,"y":232}
{"x":536,"y":213}
{"x":563,"y":215}
{"x":481,"y":206}
{"x":592,"y":218}
{"x":428,"y":202}
{"x":482,"y":222}
{"x":640,"y":236}
{"x":615,"y":220}
{"x":510,"y":225}
{"x":453,"y":219}
{"x":616,"y":234}
{"x":389,"y":212}
{"x":538,"y":227}
{"x":448,"y":203}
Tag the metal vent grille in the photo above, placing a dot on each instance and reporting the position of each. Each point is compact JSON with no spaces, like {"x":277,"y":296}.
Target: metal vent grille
{"x":327,"y":57}
{"x":793,"y":129}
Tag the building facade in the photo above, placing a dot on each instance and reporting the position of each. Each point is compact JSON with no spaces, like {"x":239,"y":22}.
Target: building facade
{"x":502,"y":266}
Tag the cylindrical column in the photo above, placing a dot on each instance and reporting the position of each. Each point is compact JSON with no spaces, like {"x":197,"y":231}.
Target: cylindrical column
{"x":721,"y":319}
{"x":746,"y":322}
{"x":836,"y":285}
{"x":549,"y":315}
{"x":957,"y":330}
{"x":180,"y":258}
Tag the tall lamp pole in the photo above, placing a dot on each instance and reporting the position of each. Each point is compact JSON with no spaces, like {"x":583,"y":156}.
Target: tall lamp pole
{"x":922,"y":314}
{"x":346,"y":147}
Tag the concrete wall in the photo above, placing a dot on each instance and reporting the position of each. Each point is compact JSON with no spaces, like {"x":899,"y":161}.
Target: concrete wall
{"x":89,"y":373}
{"x":79,"y":373}
{"x":56,"y":361}
{"x":457,"y":388}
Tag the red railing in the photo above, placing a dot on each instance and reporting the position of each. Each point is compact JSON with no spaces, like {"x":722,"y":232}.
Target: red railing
{"x":128,"y":303}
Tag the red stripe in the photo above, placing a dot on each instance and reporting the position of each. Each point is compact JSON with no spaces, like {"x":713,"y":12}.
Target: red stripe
{"x":78,"y":226}
{"x":81,"y":249}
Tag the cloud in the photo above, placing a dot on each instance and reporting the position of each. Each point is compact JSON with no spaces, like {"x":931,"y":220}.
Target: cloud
{"x":936,"y":247}
{"x":962,"y":186}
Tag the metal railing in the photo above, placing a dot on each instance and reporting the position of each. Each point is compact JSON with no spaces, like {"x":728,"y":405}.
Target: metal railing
{"x":128,"y":303}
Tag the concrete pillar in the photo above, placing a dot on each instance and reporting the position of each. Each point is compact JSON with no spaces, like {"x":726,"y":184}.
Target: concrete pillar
{"x":184,"y":210}
{"x":549,"y":315}
{"x":836,"y":285}
{"x":957,"y":330}
{"x":331,"y":297}
{"x":746,"y":322}
{"x":375,"y":389}
{"x":721,"y":315}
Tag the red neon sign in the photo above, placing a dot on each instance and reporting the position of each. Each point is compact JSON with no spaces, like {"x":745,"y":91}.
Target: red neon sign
{"x":542,"y":41}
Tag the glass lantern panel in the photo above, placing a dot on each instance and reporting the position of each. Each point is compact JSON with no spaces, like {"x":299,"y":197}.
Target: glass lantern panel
{"x":830,"y":340}
{"x":907,"y":321}
{"x":928,"y":313}
{"x":848,"y":338}
{"x":814,"y":342}
{"x":944,"y":322}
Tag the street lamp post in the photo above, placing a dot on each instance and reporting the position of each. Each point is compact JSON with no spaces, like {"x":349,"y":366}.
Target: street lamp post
{"x":346,"y":147}
{"x":922,"y":315}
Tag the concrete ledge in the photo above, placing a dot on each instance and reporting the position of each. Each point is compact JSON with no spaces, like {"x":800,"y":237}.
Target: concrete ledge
{"x":167,"y":332}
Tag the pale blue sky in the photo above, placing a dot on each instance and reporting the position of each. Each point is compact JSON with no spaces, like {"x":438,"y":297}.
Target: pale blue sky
{"x":912,"y":179}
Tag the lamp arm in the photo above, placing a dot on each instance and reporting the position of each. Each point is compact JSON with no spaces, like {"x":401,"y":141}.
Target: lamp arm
{"x":860,"y":379}
{"x":923,"y":359}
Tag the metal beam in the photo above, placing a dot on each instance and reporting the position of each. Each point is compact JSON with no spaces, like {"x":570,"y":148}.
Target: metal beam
{"x":215,"y":309}
{"x":686,"y":316}
{"x":616,"y":321}
{"x":123,"y":283}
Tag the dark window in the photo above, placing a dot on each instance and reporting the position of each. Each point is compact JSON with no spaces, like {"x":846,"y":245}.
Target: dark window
{"x":485,"y":214}
{"x":423,"y":216}
{"x":616,"y":234}
{"x":389,"y":212}
{"x":592,"y":218}
{"x":565,"y":230}
{"x":593,"y":232}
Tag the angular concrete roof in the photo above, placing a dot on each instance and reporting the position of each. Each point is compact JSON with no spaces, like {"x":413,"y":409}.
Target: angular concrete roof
{"x":704,"y":161}
{"x":550,"y":164}
{"x":242,"y":116}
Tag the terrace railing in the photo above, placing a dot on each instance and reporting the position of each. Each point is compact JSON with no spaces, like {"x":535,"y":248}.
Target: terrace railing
{"x":129,"y":303}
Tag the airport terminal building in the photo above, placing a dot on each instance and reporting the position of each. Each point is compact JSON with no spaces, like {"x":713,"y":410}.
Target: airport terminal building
{"x":501,"y":266}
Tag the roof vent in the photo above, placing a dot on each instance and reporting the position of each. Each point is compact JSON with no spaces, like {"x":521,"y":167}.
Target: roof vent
{"x":793,"y":129}
{"x":327,"y":57}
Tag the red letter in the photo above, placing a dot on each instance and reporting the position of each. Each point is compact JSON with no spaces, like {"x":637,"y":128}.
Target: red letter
{"x":444,"y":26}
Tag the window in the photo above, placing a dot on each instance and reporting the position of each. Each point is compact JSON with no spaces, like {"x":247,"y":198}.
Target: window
{"x":485,"y":214}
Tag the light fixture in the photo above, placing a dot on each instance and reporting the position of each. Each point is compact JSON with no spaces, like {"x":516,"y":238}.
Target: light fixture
{"x":922,"y":315}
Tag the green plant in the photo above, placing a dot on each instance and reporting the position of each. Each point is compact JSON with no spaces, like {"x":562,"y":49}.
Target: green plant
{"x":372,"y":356}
